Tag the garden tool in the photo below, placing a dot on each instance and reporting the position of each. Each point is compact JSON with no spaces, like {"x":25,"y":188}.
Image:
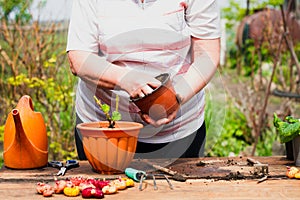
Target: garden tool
{"x":62,"y":169}
{"x":175,"y":175}
{"x":259,"y":168}
{"x":140,"y":176}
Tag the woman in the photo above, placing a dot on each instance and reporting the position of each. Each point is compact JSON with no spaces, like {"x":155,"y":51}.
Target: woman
{"x":117,"y":47}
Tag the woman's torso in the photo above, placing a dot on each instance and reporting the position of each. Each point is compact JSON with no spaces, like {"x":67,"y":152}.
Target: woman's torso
{"x":152,"y":37}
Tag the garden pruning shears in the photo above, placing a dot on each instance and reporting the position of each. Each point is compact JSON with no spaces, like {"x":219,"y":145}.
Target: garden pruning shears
{"x":63,"y":168}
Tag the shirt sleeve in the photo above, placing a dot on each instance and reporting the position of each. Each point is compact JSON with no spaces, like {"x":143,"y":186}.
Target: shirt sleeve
{"x":203,"y":18}
{"x":83,"y":28}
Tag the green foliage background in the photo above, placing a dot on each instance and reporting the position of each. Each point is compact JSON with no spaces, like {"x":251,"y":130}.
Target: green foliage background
{"x":235,"y":137}
{"x":19,"y":8}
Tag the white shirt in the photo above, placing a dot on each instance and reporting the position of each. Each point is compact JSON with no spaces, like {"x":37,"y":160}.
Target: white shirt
{"x":155,"y":37}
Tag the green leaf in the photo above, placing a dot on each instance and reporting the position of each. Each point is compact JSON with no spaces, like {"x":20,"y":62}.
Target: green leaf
{"x":276,"y":120}
{"x":239,"y":133}
{"x":105,"y":108}
{"x":290,"y":129}
{"x":291,"y":119}
{"x":116,"y":116}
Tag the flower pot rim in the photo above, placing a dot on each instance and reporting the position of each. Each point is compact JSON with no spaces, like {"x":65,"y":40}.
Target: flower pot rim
{"x":165,"y":80}
{"x":93,"y":126}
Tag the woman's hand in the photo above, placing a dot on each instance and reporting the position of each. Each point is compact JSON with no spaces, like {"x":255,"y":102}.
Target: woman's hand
{"x":138,"y":84}
{"x":159,"y":122}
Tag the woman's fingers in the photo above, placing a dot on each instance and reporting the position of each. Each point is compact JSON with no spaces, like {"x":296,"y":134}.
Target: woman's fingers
{"x":160,"y":122}
{"x":138,"y":84}
{"x":143,"y":91}
{"x":154,"y":123}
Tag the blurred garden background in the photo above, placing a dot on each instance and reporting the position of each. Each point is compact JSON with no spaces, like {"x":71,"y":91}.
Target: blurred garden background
{"x":253,"y":82}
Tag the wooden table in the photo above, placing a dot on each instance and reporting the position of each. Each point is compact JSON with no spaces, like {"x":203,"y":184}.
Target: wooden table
{"x":209,"y":178}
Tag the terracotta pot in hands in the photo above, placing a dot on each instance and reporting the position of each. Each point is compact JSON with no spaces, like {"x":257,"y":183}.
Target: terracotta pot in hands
{"x":161,"y":102}
{"x":109,"y":150}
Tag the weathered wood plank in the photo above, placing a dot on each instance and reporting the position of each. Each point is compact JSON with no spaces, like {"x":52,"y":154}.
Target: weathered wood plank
{"x":208,"y":168}
{"x":192,"y":189}
{"x":208,"y":180}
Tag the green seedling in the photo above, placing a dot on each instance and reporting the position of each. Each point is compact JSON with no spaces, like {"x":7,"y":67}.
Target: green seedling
{"x":114,"y":116}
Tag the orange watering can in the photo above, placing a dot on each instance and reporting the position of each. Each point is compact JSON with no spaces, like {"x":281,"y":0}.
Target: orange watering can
{"x":25,"y":137}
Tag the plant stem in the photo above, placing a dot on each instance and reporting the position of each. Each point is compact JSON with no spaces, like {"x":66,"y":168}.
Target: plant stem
{"x":107,"y":115}
{"x":117,"y":103}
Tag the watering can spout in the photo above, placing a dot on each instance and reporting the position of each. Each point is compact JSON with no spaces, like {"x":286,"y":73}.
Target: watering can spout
{"x":25,"y":137}
{"x":18,"y":126}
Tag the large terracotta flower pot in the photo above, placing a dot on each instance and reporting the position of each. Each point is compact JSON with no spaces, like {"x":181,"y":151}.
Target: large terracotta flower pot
{"x":109,"y":150}
{"x":161,"y":102}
